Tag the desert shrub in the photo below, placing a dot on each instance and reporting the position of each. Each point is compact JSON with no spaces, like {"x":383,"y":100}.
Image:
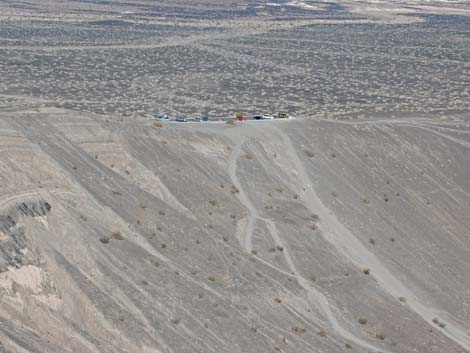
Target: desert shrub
{"x":211,"y":278}
{"x":310,"y":153}
{"x":362,"y":321}
{"x":157,"y":124}
{"x":402,"y":299}
{"x":163,"y":245}
{"x":279,"y":248}
{"x":348,"y":345}
{"x":298,"y":329}
{"x":366,"y":271}
{"x":249,"y":156}
{"x":230,"y":122}
{"x":104,"y":239}
{"x":380,"y":336}
{"x":213,"y":203}
{"x":438,"y":322}
{"x":117,"y":235}
{"x":277,"y":300}
{"x":321,"y":333}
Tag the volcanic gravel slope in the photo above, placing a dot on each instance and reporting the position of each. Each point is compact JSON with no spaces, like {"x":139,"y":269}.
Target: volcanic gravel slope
{"x":343,"y":229}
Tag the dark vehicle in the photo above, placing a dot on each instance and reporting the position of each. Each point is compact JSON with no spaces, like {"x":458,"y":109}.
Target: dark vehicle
{"x":257,"y":117}
{"x":204,"y":118}
{"x":181,"y":120}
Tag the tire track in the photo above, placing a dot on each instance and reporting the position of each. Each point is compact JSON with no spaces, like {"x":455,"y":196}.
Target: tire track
{"x":352,"y":249}
{"x":315,"y":297}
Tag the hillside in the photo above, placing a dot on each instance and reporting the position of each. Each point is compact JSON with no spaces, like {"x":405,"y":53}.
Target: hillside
{"x":343,"y":229}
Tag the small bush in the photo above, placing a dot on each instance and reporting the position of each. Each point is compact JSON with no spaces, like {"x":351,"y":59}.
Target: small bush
{"x":402,"y":299}
{"x":348,"y":345}
{"x":312,"y":278}
{"x":230,"y":122}
{"x":277,"y":300}
{"x":438,"y":322}
{"x":157,"y":124}
{"x":213,"y":203}
{"x":380,"y":336}
{"x":211,"y":278}
{"x":117,"y":235}
{"x":321,"y":333}
{"x":362,"y":321}
{"x":310,"y":153}
{"x":298,"y":329}
{"x":366,"y":271}
{"x":104,"y":239}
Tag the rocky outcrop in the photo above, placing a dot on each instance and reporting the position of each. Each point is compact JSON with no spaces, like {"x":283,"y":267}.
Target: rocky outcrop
{"x":13,"y":240}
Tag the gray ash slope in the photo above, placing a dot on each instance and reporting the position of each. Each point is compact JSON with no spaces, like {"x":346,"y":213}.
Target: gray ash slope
{"x":344,"y":229}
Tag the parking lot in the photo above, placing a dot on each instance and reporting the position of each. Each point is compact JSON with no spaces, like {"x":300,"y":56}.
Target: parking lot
{"x":236,"y":118}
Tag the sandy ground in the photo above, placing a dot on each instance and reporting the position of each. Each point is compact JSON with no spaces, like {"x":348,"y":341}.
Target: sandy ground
{"x":343,"y":229}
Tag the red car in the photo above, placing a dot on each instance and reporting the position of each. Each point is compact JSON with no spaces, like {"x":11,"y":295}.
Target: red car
{"x":241,"y":118}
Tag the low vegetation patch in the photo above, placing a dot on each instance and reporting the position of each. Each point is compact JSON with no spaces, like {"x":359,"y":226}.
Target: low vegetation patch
{"x":299,"y":329}
{"x":310,"y":153}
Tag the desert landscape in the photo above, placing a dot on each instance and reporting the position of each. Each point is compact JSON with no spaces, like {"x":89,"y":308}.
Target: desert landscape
{"x":343,"y":229}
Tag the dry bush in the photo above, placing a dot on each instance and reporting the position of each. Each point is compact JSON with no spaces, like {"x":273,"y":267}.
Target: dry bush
{"x":117,"y":235}
{"x":211,"y":278}
{"x":298,"y":329}
{"x":104,"y":239}
{"x":157,"y":124}
{"x":310,"y":153}
{"x":362,"y":321}
{"x":230,"y":122}
{"x":380,"y":336}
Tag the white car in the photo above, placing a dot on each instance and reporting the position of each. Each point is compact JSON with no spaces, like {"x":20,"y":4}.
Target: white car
{"x":267,"y":117}
{"x":163,"y":117}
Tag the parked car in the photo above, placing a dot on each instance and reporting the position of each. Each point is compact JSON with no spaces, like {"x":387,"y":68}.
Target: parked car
{"x":241,"y":118}
{"x":204,"y":118}
{"x":197,"y":119}
{"x":283,"y":116}
{"x":181,"y":120}
{"x":257,"y":117}
{"x":163,"y":117}
{"x":267,"y":117}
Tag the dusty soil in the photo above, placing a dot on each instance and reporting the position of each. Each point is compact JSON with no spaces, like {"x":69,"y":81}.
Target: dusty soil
{"x":345,"y":229}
